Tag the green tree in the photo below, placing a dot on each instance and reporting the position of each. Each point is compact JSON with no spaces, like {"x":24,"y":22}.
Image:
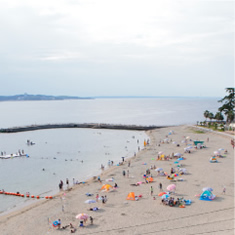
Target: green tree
{"x":219,"y":116}
{"x":211,"y":116}
{"x":206,"y":114}
{"x":228,"y":106}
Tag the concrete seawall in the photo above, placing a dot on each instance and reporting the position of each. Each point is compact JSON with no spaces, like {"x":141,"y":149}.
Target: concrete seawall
{"x":76,"y":125}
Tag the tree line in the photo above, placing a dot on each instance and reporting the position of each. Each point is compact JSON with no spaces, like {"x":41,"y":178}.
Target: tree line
{"x":227,"y":108}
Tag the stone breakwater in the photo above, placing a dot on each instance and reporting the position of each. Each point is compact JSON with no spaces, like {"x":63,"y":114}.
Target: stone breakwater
{"x":76,"y":125}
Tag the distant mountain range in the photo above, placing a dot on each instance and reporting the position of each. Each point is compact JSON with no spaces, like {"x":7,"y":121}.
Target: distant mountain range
{"x":39,"y":97}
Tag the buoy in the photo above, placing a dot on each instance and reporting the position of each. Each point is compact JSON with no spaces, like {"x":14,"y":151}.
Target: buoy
{"x":22,"y":195}
{"x":27,"y":195}
{"x":46,"y":197}
{"x":32,"y":196}
{"x":38,"y":197}
{"x":50,"y":197}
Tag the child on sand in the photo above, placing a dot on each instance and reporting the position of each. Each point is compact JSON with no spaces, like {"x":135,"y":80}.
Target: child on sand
{"x":224,"y":190}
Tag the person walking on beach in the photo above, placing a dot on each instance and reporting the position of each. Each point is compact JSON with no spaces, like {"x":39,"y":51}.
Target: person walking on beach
{"x":151,"y":189}
{"x":124,"y":173}
{"x":59,"y":223}
{"x":97,"y":197}
{"x":99,"y":179}
{"x":61,"y":185}
{"x":224,"y":190}
{"x":67,"y":182}
{"x":91,"y":219}
{"x":160,"y":186}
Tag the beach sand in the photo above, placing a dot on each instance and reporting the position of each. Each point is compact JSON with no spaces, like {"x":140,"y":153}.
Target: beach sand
{"x":145,"y":216}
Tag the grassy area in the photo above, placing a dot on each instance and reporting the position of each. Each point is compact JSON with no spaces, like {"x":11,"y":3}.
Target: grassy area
{"x":199,"y":131}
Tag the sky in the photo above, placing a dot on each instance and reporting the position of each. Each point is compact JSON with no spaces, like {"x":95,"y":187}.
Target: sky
{"x":117,"y":47}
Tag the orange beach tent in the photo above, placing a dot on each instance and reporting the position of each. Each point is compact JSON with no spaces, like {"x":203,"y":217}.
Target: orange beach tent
{"x":131,"y":196}
{"x":106,"y":187}
{"x":150,"y":179}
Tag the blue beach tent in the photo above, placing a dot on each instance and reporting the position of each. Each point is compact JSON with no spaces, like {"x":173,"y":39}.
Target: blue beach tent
{"x":207,"y":196}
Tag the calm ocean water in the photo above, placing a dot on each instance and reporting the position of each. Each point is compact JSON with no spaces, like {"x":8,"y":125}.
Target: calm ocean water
{"x":61,"y":151}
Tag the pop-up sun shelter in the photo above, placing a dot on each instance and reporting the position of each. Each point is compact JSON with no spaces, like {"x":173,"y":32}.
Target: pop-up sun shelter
{"x":196,"y":142}
{"x":207,"y":196}
{"x":106,"y":187}
{"x":131,"y":196}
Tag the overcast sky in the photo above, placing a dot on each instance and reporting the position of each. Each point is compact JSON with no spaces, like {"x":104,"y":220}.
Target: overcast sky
{"x":121,"y":47}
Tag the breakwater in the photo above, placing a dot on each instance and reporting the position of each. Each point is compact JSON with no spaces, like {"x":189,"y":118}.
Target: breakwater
{"x":77,"y":125}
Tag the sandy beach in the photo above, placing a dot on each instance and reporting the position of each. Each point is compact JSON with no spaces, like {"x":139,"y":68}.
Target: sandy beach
{"x":145,"y":216}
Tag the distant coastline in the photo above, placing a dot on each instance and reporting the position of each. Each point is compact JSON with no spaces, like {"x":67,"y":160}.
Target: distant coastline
{"x":29,"y":97}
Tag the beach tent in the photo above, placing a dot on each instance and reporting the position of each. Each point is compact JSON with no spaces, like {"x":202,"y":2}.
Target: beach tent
{"x":150,"y":179}
{"x":131,"y":196}
{"x":106,"y":187}
{"x":177,"y":155}
{"x":162,"y":157}
{"x":207,"y":196}
{"x":213,"y":159}
{"x":196,"y":142}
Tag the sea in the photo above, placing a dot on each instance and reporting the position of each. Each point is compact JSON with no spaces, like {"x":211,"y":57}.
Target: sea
{"x":77,"y":154}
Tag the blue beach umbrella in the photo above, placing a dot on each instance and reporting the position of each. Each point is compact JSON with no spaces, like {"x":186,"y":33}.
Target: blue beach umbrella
{"x":165,"y":196}
{"x":55,"y":223}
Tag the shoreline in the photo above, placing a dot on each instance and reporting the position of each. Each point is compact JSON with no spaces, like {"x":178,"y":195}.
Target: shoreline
{"x":121,"y":215}
{"x":25,"y":206}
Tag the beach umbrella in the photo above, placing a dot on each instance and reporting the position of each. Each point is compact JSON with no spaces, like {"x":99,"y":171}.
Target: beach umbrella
{"x":182,"y":170}
{"x":221,"y":149}
{"x":179,"y":159}
{"x":171,"y":187}
{"x":161,"y":193}
{"x":177,"y":154}
{"x":174,"y":142}
{"x":176,"y":162}
{"x":183,"y":141}
{"x":188,"y":137}
{"x":160,"y":152}
{"x":159,"y":169}
{"x":216,"y":152}
{"x":55,"y":223}
{"x":165,"y":196}
{"x":90,"y":201}
{"x":207,"y":189}
{"x":82,"y":216}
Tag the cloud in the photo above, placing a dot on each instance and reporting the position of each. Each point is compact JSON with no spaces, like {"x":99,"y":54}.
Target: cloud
{"x":61,"y":56}
{"x":117,"y":41}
